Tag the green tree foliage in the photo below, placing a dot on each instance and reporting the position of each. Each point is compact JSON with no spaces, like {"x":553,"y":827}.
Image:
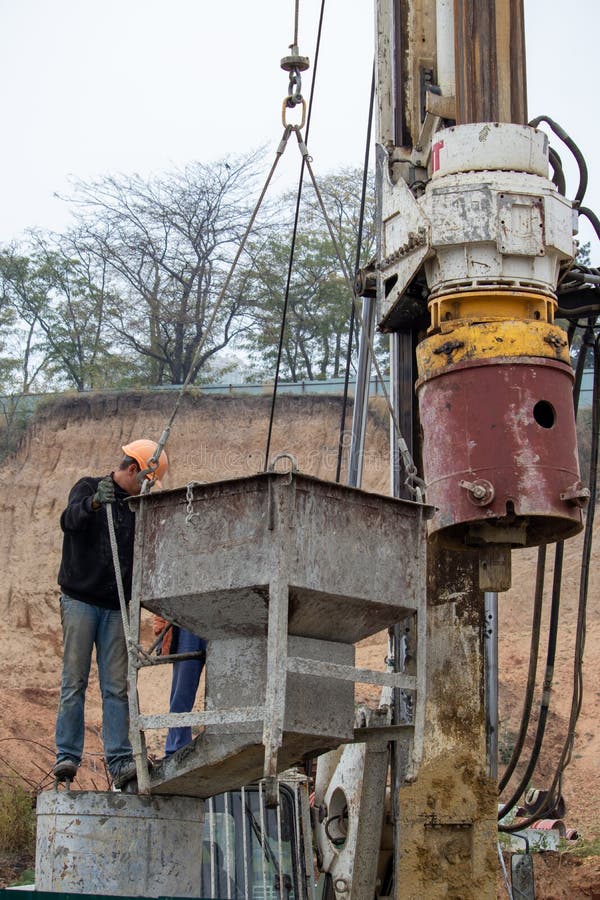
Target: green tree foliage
{"x":21,"y":302}
{"x":59,"y":299}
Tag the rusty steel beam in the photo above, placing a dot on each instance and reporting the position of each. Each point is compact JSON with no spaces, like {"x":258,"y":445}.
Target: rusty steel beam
{"x":449,"y":811}
{"x":518,"y":64}
{"x":489,"y":40}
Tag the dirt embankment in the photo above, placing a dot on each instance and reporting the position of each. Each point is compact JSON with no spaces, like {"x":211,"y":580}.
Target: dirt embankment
{"x":215,"y":438}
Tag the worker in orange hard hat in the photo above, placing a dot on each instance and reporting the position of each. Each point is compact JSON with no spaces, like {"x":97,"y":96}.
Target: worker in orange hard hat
{"x":90,"y":610}
{"x":143,"y":452}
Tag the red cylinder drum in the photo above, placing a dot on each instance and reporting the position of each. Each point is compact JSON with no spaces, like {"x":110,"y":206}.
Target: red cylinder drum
{"x":500,"y":452}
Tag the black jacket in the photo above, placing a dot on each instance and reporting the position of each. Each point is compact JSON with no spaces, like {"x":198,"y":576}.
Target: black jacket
{"x":86,"y":571}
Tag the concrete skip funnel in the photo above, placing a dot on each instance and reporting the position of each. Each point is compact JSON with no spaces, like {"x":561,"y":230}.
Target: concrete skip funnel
{"x":282,"y":574}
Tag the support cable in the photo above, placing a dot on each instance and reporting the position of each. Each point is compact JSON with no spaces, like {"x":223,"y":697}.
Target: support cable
{"x":414,"y":483}
{"x":361,"y":221}
{"x":296,"y":19}
{"x":153,"y":463}
{"x":294,"y":231}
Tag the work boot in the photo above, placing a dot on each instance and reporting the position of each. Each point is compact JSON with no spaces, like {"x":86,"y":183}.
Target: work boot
{"x":126,"y":772}
{"x":65,"y":770}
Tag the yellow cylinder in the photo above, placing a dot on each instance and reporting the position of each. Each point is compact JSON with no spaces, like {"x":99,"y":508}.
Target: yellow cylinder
{"x":451,"y":310}
{"x":491,"y":340}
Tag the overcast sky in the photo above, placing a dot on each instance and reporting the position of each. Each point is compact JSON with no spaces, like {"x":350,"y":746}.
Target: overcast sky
{"x":97,"y":86}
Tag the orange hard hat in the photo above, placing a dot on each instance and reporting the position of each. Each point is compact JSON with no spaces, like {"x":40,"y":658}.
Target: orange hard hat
{"x":142,"y":451}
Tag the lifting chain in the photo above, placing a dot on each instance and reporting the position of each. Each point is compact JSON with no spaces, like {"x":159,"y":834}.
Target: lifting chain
{"x":294,"y":64}
{"x":189,"y":496}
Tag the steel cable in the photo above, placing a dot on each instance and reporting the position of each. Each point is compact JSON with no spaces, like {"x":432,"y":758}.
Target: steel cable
{"x":356,"y":268}
{"x":414,"y":483}
{"x":294,"y":235}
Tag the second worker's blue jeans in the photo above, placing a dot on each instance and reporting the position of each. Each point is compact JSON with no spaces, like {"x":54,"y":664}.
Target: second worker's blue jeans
{"x":186,"y":676}
{"x":84,"y":626}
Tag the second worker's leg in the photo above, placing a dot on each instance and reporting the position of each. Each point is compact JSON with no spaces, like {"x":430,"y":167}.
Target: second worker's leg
{"x":186,"y":676}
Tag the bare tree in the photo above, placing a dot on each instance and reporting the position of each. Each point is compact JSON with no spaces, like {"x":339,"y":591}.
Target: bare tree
{"x":167,"y":243}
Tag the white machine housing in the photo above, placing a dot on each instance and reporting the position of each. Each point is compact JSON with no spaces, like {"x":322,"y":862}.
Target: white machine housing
{"x":489,"y":217}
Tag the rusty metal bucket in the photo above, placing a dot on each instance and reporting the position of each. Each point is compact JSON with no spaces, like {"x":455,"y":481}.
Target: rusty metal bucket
{"x":282,"y":573}
{"x":353,"y":561}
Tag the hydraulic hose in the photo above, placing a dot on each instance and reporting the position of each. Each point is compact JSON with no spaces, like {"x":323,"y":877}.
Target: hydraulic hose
{"x":559,"y":176}
{"x":533,"y":660}
{"x":577,"y":696}
{"x":548,"y":678}
{"x":570,"y":143}
{"x":592,"y":218}
{"x":587,"y":341}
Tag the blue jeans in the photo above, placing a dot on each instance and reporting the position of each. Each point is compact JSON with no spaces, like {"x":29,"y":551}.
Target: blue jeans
{"x":84,"y":626}
{"x":186,"y":675}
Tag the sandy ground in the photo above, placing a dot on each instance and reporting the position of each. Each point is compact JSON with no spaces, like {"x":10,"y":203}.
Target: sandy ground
{"x":215,"y":438}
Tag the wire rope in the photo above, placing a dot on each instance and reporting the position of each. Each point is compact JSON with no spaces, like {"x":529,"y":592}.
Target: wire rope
{"x":294,"y":236}
{"x":414,"y":483}
{"x":153,"y":462}
{"x":356,"y":268}
{"x":296,"y":20}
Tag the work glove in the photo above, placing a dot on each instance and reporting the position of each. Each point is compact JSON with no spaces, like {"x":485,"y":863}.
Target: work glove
{"x":105,"y":492}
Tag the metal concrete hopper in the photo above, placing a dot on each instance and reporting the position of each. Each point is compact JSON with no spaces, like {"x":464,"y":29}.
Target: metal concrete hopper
{"x":282,"y":573}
